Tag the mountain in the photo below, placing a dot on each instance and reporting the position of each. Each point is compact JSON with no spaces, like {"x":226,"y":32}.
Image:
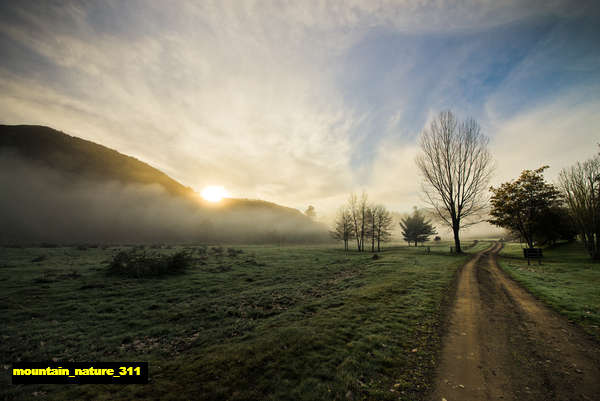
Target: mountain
{"x":66,"y":189}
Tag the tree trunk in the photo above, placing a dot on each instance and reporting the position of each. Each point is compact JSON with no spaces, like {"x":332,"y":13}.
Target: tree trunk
{"x":456,"y":239}
{"x":373,"y":243}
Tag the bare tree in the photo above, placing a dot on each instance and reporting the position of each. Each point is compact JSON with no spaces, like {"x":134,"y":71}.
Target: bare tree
{"x":358,"y":211}
{"x":343,"y":229}
{"x":382,"y":225}
{"x":371,"y":226}
{"x":363,"y":207}
{"x":580,"y":185}
{"x":456,"y":165}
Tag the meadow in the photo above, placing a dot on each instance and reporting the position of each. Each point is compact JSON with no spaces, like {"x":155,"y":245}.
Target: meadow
{"x":567,"y":280}
{"x":246,"y":323}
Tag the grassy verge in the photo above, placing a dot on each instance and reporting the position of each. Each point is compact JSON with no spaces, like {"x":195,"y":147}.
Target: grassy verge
{"x":292,"y":323}
{"x":567,"y":281}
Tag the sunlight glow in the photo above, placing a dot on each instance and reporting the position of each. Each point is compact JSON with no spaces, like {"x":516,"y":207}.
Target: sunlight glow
{"x":214,"y":193}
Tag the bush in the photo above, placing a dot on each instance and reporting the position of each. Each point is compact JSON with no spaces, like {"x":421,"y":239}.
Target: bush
{"x":232,"y":252}
{"x":134,"y":263}
{"x":217,"y":250}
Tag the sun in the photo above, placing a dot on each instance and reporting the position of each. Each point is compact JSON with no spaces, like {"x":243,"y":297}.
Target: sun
{"x":214,"y":193}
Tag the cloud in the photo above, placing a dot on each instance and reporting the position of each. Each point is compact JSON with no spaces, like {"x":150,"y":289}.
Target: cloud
{"x":557,"y":134}
{"x":298,"y":103}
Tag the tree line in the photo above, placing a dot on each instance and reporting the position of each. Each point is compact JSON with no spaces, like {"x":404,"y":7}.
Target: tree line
{"x":371,"y":225}
{"x":456,"y":167}
{"x":367,"y":224}
{"x":541,"y":213}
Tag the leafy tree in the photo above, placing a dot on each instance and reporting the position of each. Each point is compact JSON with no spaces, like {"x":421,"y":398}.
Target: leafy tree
{"x":523,"y":205}
{"x":343,"y":229}
{"x":555,"y":225}
{"x":456,"y":166}
{"x":416,"y":229}
{"x":580,"y":185}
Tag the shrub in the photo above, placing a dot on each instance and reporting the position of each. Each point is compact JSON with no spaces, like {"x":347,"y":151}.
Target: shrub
{"x":232,"y":252}
{"x":217,"y":250}
{"x":134,"y":263}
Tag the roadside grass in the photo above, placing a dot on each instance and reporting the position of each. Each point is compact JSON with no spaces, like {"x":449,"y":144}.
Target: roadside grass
{"x":567,"y":280}
{"x":266,"y":323}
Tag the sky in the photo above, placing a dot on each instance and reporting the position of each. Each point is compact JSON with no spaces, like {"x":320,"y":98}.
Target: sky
{"x":304,"y":102}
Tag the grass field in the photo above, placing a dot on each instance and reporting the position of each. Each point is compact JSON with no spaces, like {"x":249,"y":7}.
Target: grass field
{"x":567,"y":280}
{"x":291,"y":323}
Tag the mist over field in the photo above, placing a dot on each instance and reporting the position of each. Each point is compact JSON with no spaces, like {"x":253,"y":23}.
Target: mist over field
{"x":40,"y":204}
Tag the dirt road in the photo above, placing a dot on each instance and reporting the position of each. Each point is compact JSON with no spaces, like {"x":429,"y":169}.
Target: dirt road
{"x":503,"y":344}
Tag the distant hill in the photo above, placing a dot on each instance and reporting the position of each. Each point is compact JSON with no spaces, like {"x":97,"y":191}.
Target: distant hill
{"x":77,"y":156}
{"x":44,"y":170}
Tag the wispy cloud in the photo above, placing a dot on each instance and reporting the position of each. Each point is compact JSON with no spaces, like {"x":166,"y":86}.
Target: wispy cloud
{"x":300,"y":102}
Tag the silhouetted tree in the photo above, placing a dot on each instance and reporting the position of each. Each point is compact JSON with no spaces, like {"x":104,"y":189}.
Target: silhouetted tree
{"x":358,"y":211}
{"x":382,"y":225}
{"x":371,"y":229}
{"x":522,"y":205}
{"x":580,"y":185}
{"x":310,"y":212}
{"x":555,"y":225}
{"x":343,"y":229}
{"x":456,"y":166}
{"x":416,"y":229}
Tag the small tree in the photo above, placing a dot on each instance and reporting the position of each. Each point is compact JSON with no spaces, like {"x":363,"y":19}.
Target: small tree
{"x":416,"y":229}
{"x":580,"y":186}
{"x":343,"y":228}
{"x":382,"y":226}
{"x":523,"y":204}
{"x":359,"y":208}
{"x":310,"y":212}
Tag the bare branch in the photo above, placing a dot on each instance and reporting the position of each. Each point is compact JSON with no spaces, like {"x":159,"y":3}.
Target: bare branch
{"x":456,"y":166}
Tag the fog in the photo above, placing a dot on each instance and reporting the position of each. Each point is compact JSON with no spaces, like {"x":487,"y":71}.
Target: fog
{"x":44,"y":205}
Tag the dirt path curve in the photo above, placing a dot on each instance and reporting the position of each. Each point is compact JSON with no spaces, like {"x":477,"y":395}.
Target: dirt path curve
{"x":503,"y":344}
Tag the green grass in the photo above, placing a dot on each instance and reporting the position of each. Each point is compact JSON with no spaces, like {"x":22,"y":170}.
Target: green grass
{"x":567,"y":280}
{"x":291,"y":323}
